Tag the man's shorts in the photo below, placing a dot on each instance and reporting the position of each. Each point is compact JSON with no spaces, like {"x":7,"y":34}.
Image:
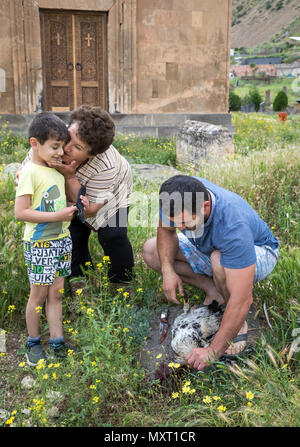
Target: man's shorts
{"x":48,"y":260}
{"x":266,"y":259}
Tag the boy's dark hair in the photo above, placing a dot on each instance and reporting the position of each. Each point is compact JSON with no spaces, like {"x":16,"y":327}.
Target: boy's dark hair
{"x":95,"y":127}
{"x":45,"y":126}
{"x":181,"y":192}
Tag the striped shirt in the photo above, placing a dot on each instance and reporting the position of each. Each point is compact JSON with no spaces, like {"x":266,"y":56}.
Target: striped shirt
{"x":108,"y":179}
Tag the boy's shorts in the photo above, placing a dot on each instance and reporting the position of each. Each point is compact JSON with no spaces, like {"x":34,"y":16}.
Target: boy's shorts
{"x":48,"y":260}
{"x":266,"y":259}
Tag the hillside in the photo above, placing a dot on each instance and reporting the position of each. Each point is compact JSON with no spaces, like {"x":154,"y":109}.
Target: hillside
{"x":255,"y":22}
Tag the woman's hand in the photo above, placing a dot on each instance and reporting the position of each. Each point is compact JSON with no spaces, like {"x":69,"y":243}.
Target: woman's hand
{"x":67,"y":170}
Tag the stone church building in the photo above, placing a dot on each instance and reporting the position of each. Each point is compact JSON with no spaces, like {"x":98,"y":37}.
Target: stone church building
{"x":128,"y":56}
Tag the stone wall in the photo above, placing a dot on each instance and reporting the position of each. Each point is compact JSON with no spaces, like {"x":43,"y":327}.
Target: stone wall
{"x":183,"y":55}
{"x":163,"y":55}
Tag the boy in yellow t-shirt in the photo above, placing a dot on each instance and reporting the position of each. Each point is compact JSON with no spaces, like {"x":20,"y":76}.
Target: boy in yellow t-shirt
{"x":41,"y":204}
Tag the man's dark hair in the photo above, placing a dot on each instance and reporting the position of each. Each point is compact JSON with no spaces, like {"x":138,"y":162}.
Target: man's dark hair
{"x":181,"y":192}
{"x":95,"y":127}
{"x":45,"y":126}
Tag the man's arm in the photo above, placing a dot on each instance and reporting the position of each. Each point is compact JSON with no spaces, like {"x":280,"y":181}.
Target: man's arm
{"x":239,"y":283}
{"x":167,"y":247}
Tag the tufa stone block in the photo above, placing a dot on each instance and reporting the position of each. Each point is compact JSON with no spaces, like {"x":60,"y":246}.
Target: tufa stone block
{"x":198,"y":141}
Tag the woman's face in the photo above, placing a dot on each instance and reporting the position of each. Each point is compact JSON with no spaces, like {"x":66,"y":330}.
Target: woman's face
{"x":76,"y":149}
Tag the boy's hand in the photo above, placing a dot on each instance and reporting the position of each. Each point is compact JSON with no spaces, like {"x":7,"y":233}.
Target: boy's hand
{"x":66,"y":214}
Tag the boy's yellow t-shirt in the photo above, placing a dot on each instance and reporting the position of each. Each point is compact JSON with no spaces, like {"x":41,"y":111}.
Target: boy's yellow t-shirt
{"x":47,"y":189}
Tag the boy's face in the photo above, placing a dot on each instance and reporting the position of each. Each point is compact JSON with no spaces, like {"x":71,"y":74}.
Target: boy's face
{"x":50,"y":151}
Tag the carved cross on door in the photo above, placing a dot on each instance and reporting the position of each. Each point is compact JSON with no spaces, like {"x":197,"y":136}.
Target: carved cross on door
{"x":88,"y":39}
{"x":58,"y":39}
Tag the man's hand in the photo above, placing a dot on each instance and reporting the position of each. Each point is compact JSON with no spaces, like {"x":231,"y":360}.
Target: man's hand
{"x":171,"y":281}
{"x":199,"y":358}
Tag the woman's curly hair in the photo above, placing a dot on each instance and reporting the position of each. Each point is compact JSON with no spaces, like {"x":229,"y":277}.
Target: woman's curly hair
{"x":95,"y":127}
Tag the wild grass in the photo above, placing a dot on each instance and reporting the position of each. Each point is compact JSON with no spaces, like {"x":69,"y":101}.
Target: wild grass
{"x":104,"y":384}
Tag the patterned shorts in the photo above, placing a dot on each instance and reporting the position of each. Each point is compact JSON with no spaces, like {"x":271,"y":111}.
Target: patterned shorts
{"x":266,"y":259}
{"x":48,"y":260}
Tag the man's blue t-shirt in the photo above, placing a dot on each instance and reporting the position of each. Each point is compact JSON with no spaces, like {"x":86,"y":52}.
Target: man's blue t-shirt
{"x":233,"y":227}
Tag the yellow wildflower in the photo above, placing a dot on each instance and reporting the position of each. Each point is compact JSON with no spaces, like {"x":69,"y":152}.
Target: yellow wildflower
{"x":11,"y":308}
{"x":159,"y":356}
{"x":175,"y":395}
{"x":92,"y":387}
{"x":79,"y":292}
{"x":207,"y":400}
{"x":22,"y":364}
{"x":249,"y":395}
{"x":221,"y":408}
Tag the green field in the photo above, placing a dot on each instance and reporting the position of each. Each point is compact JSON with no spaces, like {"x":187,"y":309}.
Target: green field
{"x":275,"y":86}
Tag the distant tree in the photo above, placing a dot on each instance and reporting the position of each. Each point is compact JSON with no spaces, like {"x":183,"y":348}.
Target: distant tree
{"x":235,"y":102}
{"x":280,"y":102}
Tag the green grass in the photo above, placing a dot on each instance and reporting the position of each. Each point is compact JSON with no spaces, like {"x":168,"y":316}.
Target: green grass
{"x":105,"y":384}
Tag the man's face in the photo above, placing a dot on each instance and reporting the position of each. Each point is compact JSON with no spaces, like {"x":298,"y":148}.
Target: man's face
{"x":187,"y":221}
{"x":76,"y":149}
{"x":192,"y":221}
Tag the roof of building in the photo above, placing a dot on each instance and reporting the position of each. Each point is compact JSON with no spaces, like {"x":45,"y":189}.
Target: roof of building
{"x":262,"y":60}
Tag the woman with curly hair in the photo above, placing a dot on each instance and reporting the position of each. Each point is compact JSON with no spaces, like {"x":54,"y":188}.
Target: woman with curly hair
{"x":90,"y":160}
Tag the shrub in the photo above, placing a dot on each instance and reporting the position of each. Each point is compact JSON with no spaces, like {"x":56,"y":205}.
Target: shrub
{"x":235,"y":102}
{"x":280,"y":102}
{"x":255,"y":97}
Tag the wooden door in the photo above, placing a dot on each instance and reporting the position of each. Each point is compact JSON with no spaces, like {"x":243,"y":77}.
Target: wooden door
{"x":74,"y":59}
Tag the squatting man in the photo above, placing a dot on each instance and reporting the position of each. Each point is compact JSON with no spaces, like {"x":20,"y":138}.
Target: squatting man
{"x":223,"y":248}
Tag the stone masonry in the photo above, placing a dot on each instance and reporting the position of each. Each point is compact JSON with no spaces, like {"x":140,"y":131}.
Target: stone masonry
{"x":198,"y":142}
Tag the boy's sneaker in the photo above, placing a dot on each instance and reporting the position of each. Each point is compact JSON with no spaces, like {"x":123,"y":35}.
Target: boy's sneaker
{"x":60,"y":351}
{"x":34,"y":353}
